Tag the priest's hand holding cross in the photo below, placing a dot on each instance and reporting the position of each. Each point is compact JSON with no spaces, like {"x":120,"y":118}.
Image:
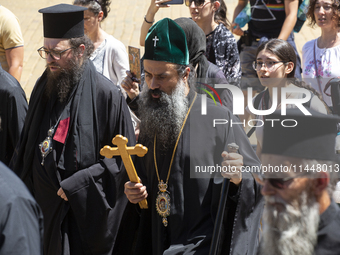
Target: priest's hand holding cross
{"x":125,"y":152}
{"x":135,"y":192}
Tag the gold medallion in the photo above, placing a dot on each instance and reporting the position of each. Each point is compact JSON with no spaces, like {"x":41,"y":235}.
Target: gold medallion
{"x":163,"y":202}
{"x":46,"y":145}
{"x":163,"y":198}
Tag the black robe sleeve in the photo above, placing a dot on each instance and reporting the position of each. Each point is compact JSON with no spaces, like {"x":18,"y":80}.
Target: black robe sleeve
{"x":13,"y":108}
{"x":96,"y":193}
{"x":133,"y":104}
{"x":21,"y":220}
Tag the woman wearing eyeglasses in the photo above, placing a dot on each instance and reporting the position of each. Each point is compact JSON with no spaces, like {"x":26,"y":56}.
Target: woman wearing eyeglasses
{"x":321,"y":56}
{"x":109,"y":57}
{"x":275,"y":66}
{"x":210,"y":16}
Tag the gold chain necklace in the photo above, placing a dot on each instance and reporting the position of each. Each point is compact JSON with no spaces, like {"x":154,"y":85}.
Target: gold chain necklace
{"x":163,"y":198}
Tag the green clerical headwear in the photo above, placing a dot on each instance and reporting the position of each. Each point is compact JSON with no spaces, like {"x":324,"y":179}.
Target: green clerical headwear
{"x":166,"y":41}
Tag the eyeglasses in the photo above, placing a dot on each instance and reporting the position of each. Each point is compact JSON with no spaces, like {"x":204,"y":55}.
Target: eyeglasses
{"x":54,"y":54}
{"x":198,"y":3}
{"x":327,"y":7}
{"x":279,"y":183}
{"x":257,"y":65}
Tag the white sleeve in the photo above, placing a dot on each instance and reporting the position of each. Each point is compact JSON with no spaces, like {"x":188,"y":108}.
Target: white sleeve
{"x":308,"y":60}
{"x":120,"y":61}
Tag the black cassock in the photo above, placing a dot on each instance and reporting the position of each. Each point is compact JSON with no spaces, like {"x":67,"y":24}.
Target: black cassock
{"x":329,"y":231}
{"x":88,"y":223}
{"x":13,"y":108}
{"x":194,"y":201}
{"x":21,"y":219}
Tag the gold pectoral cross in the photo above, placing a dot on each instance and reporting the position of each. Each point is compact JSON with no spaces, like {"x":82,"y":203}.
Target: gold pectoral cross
{"x":125,"y":152}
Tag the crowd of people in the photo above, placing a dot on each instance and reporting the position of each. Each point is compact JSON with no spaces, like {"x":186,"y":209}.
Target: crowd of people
{"x":207,"y":190}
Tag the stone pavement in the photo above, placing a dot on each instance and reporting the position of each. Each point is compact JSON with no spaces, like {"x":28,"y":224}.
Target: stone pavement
{"x":123,"y":22}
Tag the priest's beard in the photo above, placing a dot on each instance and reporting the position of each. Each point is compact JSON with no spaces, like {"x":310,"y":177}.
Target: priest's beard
{"x":63,"y":81}
{"x":163,"y":116}
{"x":292,"y":231}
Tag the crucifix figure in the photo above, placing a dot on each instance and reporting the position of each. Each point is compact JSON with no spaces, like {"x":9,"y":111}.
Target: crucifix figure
{"x":155,"y":40}
{"x":125,"y":152}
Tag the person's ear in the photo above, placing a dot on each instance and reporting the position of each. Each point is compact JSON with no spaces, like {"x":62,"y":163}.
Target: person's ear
{"x":289,"y":67}
{"x":186,"y":74}
{"x":216,"y":5}
{"x":100,"y":16}
{"x":82,"y":50}
{"x":320,"y":183}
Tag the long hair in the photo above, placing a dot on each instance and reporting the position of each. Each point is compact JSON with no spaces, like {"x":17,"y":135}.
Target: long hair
{"x":311,"y":8}
{"x":95,"y":6}
{"x":221,"y":13}
{"x":285,"y":52}
{"x":282,"y":49}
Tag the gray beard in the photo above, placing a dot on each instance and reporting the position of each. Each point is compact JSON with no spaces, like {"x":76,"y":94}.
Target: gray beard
{"x":163,"y":116}
{"x":293,"y":231}
{"x":64,"y":81}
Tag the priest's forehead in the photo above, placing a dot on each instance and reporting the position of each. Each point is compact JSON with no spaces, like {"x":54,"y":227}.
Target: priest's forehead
{"x":56,"y":43}
{"x":158,"y":68}
{"x":275,"y":159}
{"x":279,"y":166}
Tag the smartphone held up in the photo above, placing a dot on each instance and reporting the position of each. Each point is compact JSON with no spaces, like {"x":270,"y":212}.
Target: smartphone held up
{"x":174,"y":2}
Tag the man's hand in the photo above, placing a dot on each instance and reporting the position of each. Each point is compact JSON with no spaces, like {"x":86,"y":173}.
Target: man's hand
{"x":61,"y":194}
{"x":131,"y":87}
{"x":235,"y":29}
{"x":233,"y":163}
{"x":135,"y":192}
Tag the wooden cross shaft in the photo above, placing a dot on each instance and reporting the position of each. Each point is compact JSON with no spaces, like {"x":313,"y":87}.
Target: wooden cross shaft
{"x":125,"y":152}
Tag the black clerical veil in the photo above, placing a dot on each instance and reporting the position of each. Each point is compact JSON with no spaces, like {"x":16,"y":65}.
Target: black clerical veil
{"x":196,"y":45}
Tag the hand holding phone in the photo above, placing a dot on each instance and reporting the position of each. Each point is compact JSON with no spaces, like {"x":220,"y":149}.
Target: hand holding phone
{"x":174,"y":2}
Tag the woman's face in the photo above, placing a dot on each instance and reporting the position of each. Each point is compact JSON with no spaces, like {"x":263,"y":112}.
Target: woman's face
{"x":91,"y":22}
{"x":201,"y":12}
{"x":324,"y":14}
{"x":271,"y":70}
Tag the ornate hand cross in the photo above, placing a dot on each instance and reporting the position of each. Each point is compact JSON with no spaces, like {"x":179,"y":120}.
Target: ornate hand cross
{"x":125,"y":152}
